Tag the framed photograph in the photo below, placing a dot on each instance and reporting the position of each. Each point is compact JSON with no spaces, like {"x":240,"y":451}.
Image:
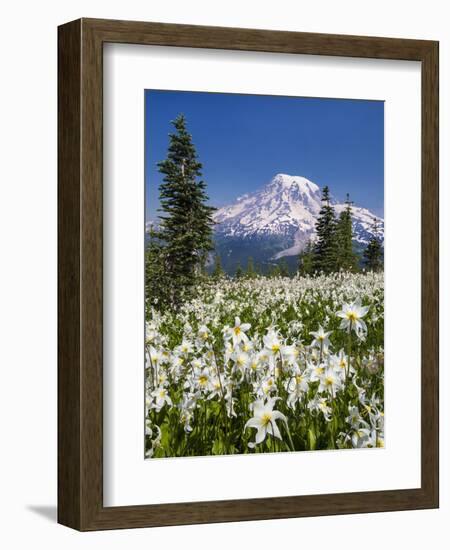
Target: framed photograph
{"x":248,"y":274}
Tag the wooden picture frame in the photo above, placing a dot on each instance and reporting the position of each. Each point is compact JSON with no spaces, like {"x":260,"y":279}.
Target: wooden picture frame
{"x":80,"y":271}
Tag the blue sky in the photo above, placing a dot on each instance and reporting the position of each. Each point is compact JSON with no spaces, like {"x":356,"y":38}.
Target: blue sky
{"x":244,"y":140}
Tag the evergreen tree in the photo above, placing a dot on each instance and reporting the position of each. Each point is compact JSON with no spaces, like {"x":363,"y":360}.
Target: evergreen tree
{"x":274,"y":270}
{"x":284,"y":268}
{"x":325,"y":248}
{"x":156,"y":289}
{"x":186,"y":219}
{"x":217,"y":271}
{"x":346,"y":258}
{"x":250,"y":271}
{"x":306,"y":259}
{"x":373,"y":254}
{"x":239,"y":273}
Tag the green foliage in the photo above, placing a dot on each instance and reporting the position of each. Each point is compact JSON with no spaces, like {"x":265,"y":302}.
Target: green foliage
{"x":217,"y":271}
{"x":325,"y":248}
{"x":333,"y":248}
{"x":239,"y":271}
{"x":185,"y":234}
{"x":250,"y":271}
{"x":306,"y":260}
{"x":373,"y":254}
{"x":346,"y":259}
{"x":284,"y":268}
{"x":156,"y":283}
{"x":274,"y":271}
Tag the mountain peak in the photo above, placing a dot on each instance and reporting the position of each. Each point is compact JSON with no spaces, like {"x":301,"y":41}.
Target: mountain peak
{"x":285,"y":209}
{"x":288,"y":181}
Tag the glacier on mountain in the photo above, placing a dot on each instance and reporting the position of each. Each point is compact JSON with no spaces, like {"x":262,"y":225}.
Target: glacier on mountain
{"x":286,"y":208}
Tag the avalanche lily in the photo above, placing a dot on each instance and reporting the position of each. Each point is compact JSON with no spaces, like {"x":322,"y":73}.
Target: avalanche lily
{"x":321,"y":339}
{"x":264,"y":420}
{"x":238,"y":331}
{"x":272,"y":342}
{"x":161,"y":397}
{"x":351,"y":315}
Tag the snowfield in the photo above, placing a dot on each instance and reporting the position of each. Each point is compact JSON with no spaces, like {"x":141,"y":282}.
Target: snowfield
{"x":287,"y":206}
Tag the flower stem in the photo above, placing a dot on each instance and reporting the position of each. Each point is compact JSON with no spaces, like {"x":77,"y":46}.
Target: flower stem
{"x":291,"y":443}
{"x":349,"y":352}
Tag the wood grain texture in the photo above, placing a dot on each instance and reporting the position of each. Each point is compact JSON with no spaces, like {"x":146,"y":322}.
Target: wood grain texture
{"x":69,"y":247}
{"x":430,"y":273}
{"x":80,"y":242}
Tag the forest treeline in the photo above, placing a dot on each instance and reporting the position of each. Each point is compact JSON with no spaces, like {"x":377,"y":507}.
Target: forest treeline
{"x":177,"y":252}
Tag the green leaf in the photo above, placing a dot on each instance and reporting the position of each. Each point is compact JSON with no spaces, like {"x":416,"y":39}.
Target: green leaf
{"x":311,"y":439}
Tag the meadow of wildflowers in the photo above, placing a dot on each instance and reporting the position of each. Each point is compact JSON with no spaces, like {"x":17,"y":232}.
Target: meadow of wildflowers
{"x":261,"y":364}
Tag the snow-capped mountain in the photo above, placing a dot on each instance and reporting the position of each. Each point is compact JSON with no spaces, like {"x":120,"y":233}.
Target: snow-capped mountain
{"x":151,"y":224}
{"x":284,"y":213}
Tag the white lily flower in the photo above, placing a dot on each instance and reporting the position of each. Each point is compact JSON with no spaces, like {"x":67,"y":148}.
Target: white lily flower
{"x":366,"y":438}
{"x":329,"y":382}
{"x":155,"y":355}
{"x":351,"y":315}
{"x":290,"y":354}
{"x":297,"y":387}
{"x":203,"y":380}
{"x":155,"y":442}
{"x":186,"y":347}
{"x":195,"y":379}
{"x":268,"y":385}
{"x":241,"y":360}
{"x":161,"y":397}
{"x":151,"y":333}
{"x":204,"y":333}
{"x":237,"y":332}
{"x":320,"y":404}
{"x":315,"y":372}
{"x":321,"y":339}
{"x":264,"y":420}
{"x":254,"y":362}
{"x":272,"y":342}
{"x":354,"y":418}
{"x":339,"y":363}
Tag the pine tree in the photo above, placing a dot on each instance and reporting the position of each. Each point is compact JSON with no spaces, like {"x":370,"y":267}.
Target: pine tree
{"x":239,"y":273}
{"x":305,"y":260}
{"x":156,"y":284}
{"x":250,"y":271}
{"x":346,"y":258}
{"x":373,"y":254}
{"x":217,"y":272}
{"x":325,"y":248}
{"x":186,"y":219}
{"x":284,"y":268}
{"x":274,"y":271}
